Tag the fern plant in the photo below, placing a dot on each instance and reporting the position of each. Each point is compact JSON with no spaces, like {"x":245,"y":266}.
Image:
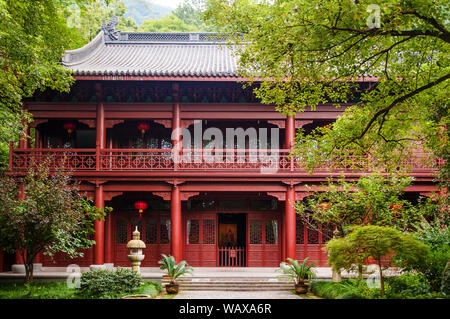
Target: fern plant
{"x":174,"y":270}
{"x":297,"y":272}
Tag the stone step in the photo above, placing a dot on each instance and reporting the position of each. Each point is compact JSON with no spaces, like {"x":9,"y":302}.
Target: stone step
{"x":236,"y":288}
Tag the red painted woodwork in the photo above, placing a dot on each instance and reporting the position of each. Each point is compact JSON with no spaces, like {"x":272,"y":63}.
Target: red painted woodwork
{"x":310,"y":243}
{"x":200,"y":238}
{"x":155,"y":232}
{"x":263,"y":239}
{"x":176,"y":231}
{"x":232,"y":256}
{"x":118,"y":160}
{"x":290,"y":222}
{"x":99,"y":248}
{"x":109,"y":239}
{"x":270,"y":236}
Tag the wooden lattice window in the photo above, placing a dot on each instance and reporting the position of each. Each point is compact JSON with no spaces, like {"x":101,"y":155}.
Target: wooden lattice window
{"x":299,"y":232}
{"x":209,"y":231}
{"x":121,"y":232}
{"x":193,"y":231}
{"x":313,"y":236}
{"x":255,"y":232}
{"x":164,"y":232}
{"x":271,"y":232}
{"x":151,"y":232}
{"x":327,"y":232}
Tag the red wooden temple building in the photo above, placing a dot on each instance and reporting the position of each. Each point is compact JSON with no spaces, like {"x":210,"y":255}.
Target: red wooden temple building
{"x":116,"y":130}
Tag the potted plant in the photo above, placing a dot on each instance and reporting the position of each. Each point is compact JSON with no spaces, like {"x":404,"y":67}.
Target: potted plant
{"x":299,"y":273}
{"x":174,"y":271}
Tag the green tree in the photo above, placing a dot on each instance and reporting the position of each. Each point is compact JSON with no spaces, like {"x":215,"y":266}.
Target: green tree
{"x":53,"y":216}
{"x":85,"y":20}
{"x":374,"y":199}
{"x":168,"y":23}
{"x":190,"y":11}
{"x":33,"y":38}
{"x":375,"y":242}
{"x":310,"y":52}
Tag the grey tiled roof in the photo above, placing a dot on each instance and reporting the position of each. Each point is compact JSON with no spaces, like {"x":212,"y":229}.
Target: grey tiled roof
{"x":153,"y":54}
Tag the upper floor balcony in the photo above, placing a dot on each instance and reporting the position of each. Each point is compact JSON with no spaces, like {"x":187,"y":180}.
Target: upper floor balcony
{"x":234,"y":161}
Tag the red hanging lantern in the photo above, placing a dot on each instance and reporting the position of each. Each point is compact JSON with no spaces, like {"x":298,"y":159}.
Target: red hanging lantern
{"x":143,"y":127}
{"x":69,"y":127}
{"x":140,"y":206}
{"x":324,"y":206}
{"x":396,"y":206}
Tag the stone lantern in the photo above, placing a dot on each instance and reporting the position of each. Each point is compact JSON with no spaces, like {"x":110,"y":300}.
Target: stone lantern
{"x":136,"y":245}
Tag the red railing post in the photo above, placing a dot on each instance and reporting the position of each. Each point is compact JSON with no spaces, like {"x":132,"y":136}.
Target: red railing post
{"x":11,"y":150}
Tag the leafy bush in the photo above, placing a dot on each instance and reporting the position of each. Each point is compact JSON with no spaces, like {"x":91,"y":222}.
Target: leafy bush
{"x":405,"y":286}
{"x":433,"y":265}
{"x":347,"y":289}
{"x":408,"y":286}
{"x":107,"y":284}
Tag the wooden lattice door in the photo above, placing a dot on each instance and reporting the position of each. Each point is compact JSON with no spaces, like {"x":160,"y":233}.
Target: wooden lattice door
{"x":155,"y":232}
{"x":200,"y":239}
{"x":264,"y":239}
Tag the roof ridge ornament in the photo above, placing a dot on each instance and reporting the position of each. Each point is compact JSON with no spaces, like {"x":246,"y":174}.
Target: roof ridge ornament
{"x":109,"y":29}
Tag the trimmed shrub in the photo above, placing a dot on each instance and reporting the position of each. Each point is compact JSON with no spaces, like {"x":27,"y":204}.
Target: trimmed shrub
{"x":108,"y":284}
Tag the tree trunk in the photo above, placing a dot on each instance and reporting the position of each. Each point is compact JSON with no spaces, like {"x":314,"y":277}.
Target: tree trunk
{"x":28,"y":272}
{"x":336,"y":275}
{"x":360,"y":273}
{"x":381,"y":278}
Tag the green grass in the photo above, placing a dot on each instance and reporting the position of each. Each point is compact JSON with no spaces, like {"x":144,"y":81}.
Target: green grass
{"x":347,"y":289}
{"x":59,"y":290}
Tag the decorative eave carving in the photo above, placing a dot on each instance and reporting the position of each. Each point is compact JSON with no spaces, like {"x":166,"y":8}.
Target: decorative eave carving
{"x":110,"y":195}
{"x":37,"y":122}
{"x":282,"y":123}
{"x":187,"y":195}
{"x":112,"y":123}
{"x":187,"y":123}
{"x":165,"y":123}
{"x":90,"y":123}
{"x":163,"y":195}
{"x":281,"y":196}
{"x":109,"y":29}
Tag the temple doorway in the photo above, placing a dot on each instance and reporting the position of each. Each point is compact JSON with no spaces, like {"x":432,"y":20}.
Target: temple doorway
{"x":232,"y":239}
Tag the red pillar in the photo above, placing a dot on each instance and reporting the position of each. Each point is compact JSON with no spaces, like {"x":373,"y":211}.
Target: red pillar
{"x":21,"y":195}
{"x":108,"y":240}
{"x":283,"y":237}
{"x":99,"y":226}
{"x":290,"y":132}
{"x":175,"y":216}
{"x":290,"y":219}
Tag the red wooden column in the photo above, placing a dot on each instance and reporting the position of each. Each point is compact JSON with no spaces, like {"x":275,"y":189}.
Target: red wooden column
{"x":99,"y":249}
{"x":21,"y":195}
{"x":23,"y":143}
{"x":176,"y":124}
{"x":109,"y":240}
{"x":290,"y":219}
{"x":175,"y":217}
{"x":99,"y":225}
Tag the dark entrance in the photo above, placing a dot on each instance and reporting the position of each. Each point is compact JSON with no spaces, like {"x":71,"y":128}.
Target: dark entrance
{"x":232,"y":240}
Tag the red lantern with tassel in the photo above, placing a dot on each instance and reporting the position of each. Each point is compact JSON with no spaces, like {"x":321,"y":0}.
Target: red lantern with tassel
{"x":69,"y":127}
{"x":324,"y":206}
{"x":396,"y":207}
{"x":140,"y":206}
{"x":143,"y":127}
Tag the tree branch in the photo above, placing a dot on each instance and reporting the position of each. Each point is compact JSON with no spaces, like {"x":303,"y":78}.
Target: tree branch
{"x":400,"y":100}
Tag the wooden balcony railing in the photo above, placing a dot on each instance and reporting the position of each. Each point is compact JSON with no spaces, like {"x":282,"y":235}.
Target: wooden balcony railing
{"x":264,"y":161}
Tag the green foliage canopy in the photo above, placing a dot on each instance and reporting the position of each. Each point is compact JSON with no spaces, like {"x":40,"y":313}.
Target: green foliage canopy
{"x":309,"y":52}
{"x":52,"y":216}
